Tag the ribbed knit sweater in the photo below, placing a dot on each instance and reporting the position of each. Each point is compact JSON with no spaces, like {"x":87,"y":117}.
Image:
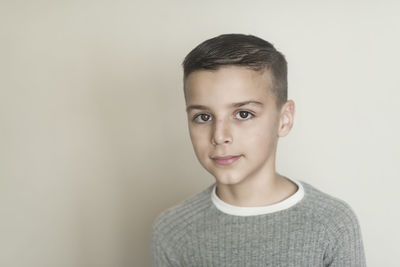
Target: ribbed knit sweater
{"x":310,"y":228}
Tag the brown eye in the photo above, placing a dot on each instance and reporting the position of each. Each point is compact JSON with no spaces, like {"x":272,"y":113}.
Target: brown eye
{"x":201,"y":118}
{"x":205,"y":117}
{"x":244,"y":115}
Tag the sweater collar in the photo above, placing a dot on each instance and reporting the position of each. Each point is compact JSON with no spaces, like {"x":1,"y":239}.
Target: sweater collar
{"x":252,"y":211}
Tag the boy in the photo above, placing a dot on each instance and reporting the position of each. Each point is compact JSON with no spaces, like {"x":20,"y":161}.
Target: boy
{"x":236,"y":97}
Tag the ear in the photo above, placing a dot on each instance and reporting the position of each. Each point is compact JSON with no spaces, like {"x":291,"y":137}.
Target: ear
{"x":286,"y":118}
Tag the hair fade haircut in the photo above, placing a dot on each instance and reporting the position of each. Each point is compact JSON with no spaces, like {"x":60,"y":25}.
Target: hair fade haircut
{"x":240,"y":50}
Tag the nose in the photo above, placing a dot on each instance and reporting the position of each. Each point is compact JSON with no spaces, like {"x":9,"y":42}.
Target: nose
{"x":221,"y":133}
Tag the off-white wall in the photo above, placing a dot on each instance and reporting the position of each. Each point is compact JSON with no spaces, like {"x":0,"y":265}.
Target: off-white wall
{"x":93,"y":137}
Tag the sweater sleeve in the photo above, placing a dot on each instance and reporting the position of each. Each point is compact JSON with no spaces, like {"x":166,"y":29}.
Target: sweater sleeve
{"x":346,"y":249}
{"x":161,"y":256}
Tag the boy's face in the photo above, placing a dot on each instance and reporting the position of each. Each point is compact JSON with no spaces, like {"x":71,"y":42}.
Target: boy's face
{"x":232,"y":113}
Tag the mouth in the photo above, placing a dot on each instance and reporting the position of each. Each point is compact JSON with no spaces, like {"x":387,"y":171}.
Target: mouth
{"x":226,"y":160}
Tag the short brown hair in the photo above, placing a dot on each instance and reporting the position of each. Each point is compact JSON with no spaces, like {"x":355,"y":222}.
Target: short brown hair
{"x":240,"y":50}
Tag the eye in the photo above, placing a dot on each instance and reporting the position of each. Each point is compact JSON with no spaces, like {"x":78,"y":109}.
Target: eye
{"x":201,"y":118}
{"x":244,"y":115}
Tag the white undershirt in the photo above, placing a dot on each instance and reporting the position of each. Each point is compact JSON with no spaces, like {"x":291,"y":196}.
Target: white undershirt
{"x":252,"y":211}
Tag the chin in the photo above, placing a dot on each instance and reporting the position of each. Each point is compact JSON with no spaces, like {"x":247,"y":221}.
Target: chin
{"x":228,"y":180}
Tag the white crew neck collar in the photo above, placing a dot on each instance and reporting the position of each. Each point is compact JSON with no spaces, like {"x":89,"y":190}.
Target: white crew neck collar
{"x":252,"y":211}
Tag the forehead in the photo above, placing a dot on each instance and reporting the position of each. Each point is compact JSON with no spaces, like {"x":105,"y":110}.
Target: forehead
{"x":227,"y":85}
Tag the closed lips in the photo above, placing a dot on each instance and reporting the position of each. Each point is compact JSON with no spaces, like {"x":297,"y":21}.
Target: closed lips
{"x":223,"y":158}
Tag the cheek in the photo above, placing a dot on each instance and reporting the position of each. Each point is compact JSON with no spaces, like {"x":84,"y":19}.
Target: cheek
{"x":260,"y":136}
{"x":198,"y":138}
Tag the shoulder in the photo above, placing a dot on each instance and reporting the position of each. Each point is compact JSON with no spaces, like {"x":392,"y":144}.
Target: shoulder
{"x":173,"y":222}
{"x":343,"y":244}
{"x":335,"y":214}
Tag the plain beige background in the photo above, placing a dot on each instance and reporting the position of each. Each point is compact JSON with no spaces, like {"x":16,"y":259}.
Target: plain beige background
{"x":93,"y":136}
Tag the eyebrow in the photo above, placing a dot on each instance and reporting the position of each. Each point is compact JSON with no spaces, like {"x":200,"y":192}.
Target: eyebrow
{"x":235,"y":105}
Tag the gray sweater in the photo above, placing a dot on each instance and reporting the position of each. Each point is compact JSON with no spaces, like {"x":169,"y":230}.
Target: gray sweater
{"x":310,"y":228}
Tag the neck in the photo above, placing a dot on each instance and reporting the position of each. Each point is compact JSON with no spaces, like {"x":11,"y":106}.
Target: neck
{"x":272,"y":189}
